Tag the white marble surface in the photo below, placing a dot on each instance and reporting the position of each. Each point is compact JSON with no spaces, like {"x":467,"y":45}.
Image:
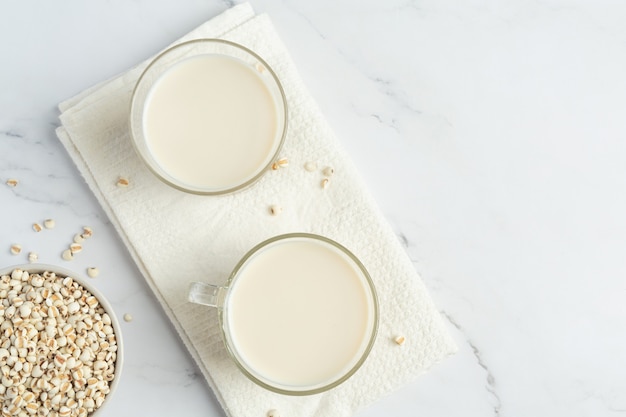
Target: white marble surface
{"x":492,"y":134}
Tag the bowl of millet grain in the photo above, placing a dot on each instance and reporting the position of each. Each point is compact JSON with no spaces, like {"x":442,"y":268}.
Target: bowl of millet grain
{"x":60,"y":344}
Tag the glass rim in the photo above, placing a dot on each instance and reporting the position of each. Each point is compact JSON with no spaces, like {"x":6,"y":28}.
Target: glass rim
{"x":150,"y":163}
{"x":373,"y":329}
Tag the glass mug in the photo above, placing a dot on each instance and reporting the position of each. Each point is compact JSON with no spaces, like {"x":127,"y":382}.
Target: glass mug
{"x":208,"y":116}
{"x":298,"y":314}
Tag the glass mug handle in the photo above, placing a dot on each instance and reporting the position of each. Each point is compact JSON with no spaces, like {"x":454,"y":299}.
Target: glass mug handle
{"x":206,"y":294}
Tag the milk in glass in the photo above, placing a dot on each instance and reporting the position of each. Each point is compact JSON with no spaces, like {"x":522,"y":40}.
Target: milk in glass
{"x":211,"y":122}
{"x":300,"y":313}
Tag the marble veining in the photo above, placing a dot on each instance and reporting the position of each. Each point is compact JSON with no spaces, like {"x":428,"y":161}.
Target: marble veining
{"x":11,"y":134}
{"x":490,"y":383}
{"x":490,"y":134}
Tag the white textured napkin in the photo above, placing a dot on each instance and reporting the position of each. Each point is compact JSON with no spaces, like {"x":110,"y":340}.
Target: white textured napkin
{"x":176,"y":238}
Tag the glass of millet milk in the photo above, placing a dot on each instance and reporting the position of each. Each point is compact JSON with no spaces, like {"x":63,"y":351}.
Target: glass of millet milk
{"x":208,"y":116}
{"x":298,"y":314}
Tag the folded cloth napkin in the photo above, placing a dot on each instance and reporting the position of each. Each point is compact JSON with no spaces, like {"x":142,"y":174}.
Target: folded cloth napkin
{"x":176,"y":238}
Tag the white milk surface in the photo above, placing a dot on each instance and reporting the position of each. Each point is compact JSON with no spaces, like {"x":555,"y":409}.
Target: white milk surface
{"x":210,"y":121}
{"x":300,"y":313}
